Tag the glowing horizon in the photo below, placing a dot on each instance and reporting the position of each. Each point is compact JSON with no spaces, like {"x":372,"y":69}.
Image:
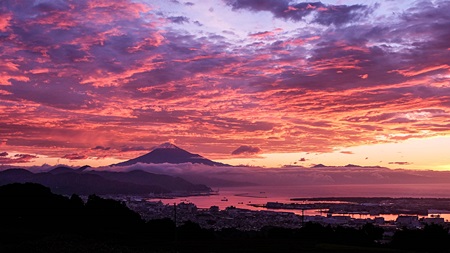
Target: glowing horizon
{"x":258,"y":82}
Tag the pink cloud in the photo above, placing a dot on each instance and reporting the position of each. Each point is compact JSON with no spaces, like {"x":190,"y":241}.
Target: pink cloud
{"x":260,"y":35}
{"x":5,"y":18}
{"x":122,"y":75}
{"x":291,"y":8}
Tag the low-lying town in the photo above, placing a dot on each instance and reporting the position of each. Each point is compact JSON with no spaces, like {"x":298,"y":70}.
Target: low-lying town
{"x":248,"y":220}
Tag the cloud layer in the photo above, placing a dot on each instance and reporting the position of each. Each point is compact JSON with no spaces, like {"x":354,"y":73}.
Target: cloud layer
{"x":291,"y":176}
{"x":82,"y":79}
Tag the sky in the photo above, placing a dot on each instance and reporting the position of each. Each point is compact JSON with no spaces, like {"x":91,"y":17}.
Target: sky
{"x":247,"y":82}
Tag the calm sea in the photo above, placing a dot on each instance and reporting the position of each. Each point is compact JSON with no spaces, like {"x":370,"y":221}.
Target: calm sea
{"x":240,"y":197}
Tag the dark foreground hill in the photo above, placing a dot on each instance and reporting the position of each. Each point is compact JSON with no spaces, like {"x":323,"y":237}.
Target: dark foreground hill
{"x":65,"y":180}
{"x":33,"y":219}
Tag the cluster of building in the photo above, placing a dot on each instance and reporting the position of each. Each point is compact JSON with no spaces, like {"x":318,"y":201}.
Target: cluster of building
{"x":214,"y":218}
{"x":243,"y":219}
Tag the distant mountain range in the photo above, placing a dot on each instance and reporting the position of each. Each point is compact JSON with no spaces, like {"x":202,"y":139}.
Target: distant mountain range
{"x":83,"y":181}
{"x":169,"y":153}
{"x":65,"y":180}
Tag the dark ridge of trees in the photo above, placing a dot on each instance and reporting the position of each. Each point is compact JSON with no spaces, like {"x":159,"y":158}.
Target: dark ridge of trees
{"x":33,"y":219}
{"x":34,"y":205}
{"x":110,"y":214}
{"x":433,"y":238}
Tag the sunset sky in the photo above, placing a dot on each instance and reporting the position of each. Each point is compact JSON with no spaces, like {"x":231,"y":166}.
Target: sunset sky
{"x":253,"y":82}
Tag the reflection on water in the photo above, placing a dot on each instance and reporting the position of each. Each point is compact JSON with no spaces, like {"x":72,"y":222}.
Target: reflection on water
{"x":240,"y":197}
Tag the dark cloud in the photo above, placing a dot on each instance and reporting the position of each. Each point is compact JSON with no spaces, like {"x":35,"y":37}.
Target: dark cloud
{"x":75,"y":156}
{"x":25,"y":156}
{"x":319,"y":166}
{"x":48,"y":6}
{"x":355,"y":166}
{"x":228,"y":32}
{"x":400,"y":163}
{"x":18,"y":158}
{"x":302,"y":159}
{"x":4,"y":154}
{"x":244,"y":149}
{"x":324,"y":14}
{"x":341,"y":14}
{"x":133,"y":148}
{"x":275,"y":6}
{"x":198,"y":23}
{"x":347,"y":152}
{"x":101,"y":148}
{"x":179,"y":19}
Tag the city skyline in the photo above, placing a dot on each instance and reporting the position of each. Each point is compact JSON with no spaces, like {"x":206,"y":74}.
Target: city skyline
{"x":245,"y":82}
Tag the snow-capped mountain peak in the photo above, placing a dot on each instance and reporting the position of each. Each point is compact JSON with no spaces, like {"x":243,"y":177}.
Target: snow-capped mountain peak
{"x":169,"y":153}
{"x":166,"y":145}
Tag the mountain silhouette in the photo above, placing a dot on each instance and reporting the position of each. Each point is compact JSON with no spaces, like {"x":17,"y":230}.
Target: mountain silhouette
{"x":169,"y":153}
{"x":65,"y":180}
{"x":61,"y":170}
